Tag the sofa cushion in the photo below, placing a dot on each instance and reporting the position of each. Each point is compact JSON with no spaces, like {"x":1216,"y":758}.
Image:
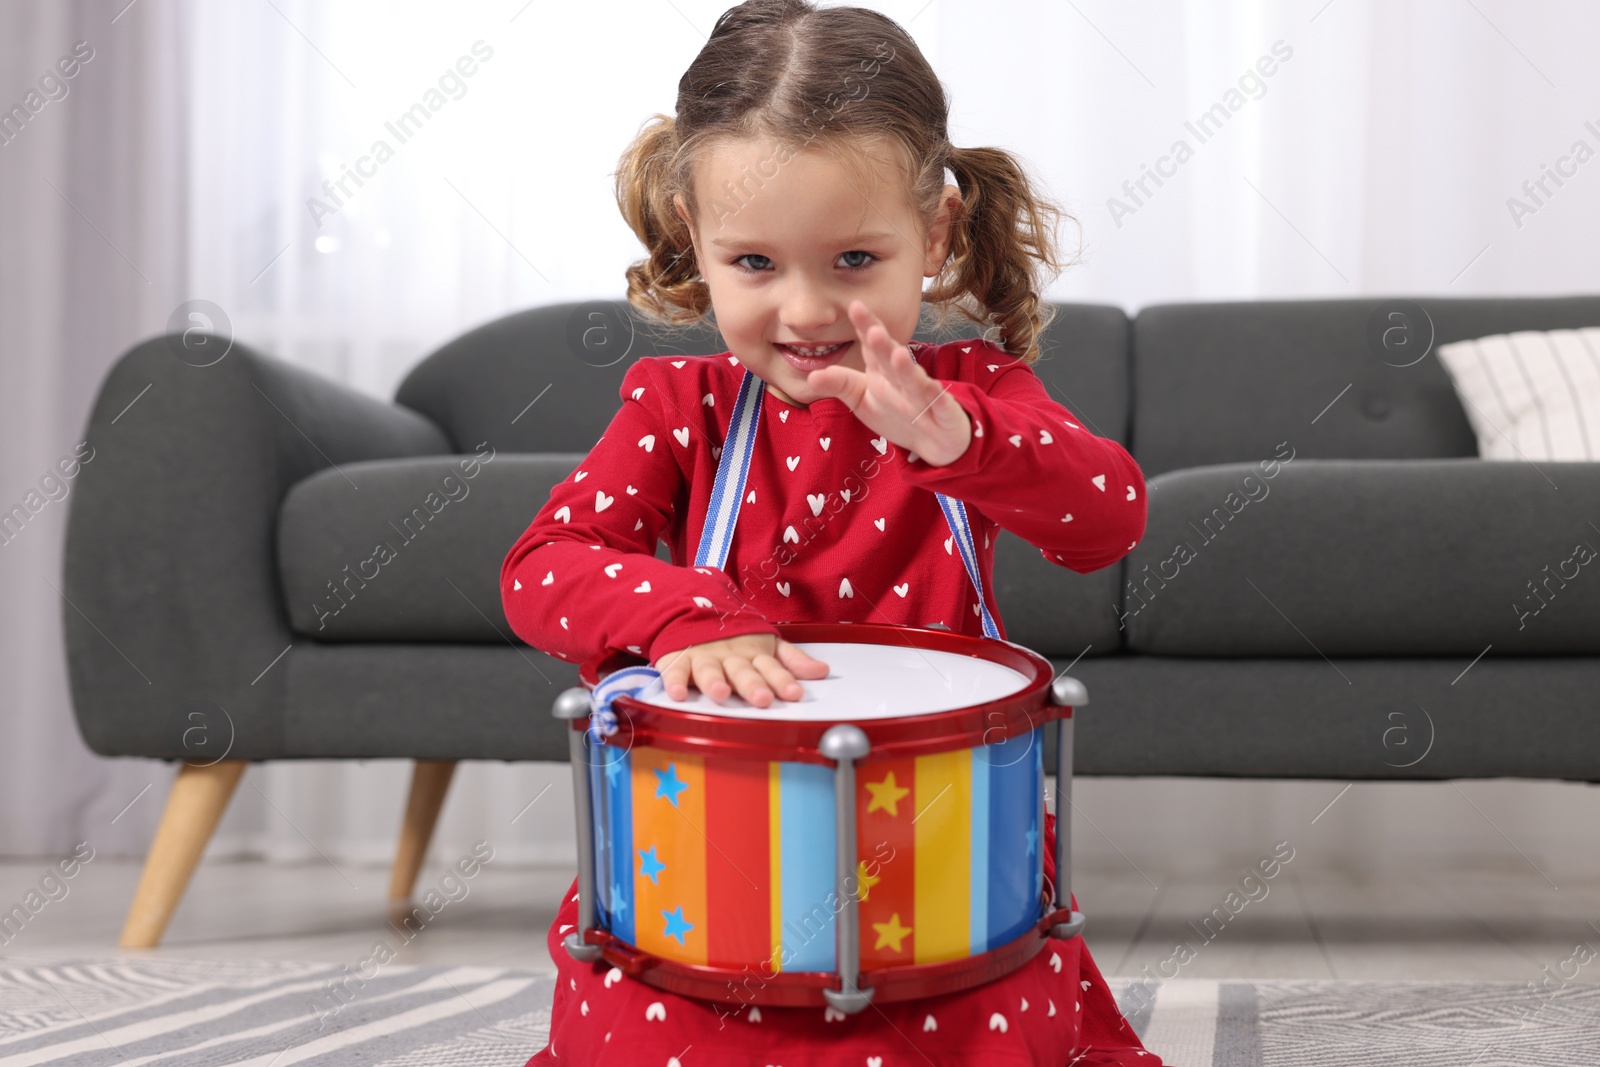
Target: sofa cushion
{"x":1225,"y":382}
{"x":410,"y":550}
{"x":1306,"y":557}
{"x":547,"y":379}
{"x":1531,"y":396}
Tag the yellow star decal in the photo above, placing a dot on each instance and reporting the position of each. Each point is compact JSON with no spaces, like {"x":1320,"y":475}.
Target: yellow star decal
{"x":891,"y":931}
{"x":886,"y":795}
{"x":865,"y":880}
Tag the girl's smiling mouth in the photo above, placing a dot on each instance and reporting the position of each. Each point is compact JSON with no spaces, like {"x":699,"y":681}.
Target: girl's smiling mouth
{"x":813,"y":357}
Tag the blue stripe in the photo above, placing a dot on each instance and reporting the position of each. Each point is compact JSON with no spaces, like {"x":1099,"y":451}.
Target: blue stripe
{"x":1014,"y":796}
{"x":807,"y":838}
{"x":619,"y":794}
{"x":979,"y":909}
{"x":1038,"y":801}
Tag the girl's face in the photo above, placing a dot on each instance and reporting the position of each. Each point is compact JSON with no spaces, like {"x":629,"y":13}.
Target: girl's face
{"x":785,"y":240}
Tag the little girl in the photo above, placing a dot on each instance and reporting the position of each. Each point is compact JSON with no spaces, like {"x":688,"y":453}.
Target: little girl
{"x":800,"y":195}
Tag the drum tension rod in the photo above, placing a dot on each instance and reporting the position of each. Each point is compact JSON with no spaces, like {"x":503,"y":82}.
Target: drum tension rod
{"x":574,"y":704}
{"x":844,"y":744}
{"x":1068,"y":693}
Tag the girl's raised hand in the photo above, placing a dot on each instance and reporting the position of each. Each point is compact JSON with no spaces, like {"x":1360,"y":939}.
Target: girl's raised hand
{"x":895,"y":396}
{"x":758,"y":665}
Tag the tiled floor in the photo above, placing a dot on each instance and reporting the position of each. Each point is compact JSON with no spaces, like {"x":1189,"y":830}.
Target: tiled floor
{"x":1501,"y":923}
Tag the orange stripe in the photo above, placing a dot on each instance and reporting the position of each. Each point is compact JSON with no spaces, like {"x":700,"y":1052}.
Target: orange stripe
{"x":675,"y":836}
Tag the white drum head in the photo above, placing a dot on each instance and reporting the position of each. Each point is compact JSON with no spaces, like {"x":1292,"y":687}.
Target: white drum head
{"x":867,"y":681}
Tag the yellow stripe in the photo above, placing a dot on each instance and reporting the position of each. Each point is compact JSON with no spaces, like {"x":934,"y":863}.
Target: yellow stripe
{"x":942,"y":835}
{"x":775,"y":852}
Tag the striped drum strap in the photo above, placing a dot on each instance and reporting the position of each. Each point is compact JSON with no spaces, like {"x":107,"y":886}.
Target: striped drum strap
{"x":727,"y":494}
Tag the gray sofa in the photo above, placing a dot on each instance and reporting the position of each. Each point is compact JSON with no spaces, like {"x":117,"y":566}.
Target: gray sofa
{"x":1345,"y":607}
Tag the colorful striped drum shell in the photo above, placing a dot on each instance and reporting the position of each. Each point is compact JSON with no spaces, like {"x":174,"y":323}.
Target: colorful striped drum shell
{"x":730,"y":862}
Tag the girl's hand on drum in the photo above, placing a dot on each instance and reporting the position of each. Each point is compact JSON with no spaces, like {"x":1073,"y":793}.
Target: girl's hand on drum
{"x":756,"y":665}
{"x":895,"y":397}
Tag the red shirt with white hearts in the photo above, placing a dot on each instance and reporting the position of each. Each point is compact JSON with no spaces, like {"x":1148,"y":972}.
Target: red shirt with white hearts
{"x":837,"y":523}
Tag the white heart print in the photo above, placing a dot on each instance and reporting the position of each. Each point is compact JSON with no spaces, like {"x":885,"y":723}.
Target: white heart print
{"x":793,"y":461}
{"x":564,"y":513}
{"x":549,"y":576}
{"x":580,"y":476}
{"x":816,"y":500}
{"x":845,"y":590}
{"x":612,"y":569}
{"x":516,"y":583}
{"x":878,"y":522}
{"x":648,"y":442}
{"x":783,"y":587}
{"x":601,"y":501}
{"x":637,"y":393}
{"x":902,"y":588}
{"x":642,"y":587}
{"x":678,"y":363}
{"x":881,"y":444}
{"x":825,"y":442}
{"x":682,"y":434}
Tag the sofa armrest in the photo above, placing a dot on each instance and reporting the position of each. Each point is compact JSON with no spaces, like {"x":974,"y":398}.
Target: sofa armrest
{"x":171,"y":605}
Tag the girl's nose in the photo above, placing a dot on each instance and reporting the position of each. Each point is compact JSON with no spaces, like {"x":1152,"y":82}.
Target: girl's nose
{"x":808,"y":308}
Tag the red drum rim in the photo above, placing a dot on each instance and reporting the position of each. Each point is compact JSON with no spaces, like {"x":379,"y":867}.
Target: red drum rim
{"x":802,"y":989}
{"x":765,"y":739}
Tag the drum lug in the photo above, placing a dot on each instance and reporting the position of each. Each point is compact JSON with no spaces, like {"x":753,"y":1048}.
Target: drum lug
{"x":848,"y":1001}
{"x":579,"y":949}
{"x":845,"y":743}
{"x":1069,"y":929}
{"x":573,"y":704}
{"x":1068,"y":692}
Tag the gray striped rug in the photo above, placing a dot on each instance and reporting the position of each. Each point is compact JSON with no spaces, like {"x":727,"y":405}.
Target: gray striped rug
{"x":131,"y":1012}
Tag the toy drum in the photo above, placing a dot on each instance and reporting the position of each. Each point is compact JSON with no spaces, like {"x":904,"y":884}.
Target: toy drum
{"x":879,"y":839}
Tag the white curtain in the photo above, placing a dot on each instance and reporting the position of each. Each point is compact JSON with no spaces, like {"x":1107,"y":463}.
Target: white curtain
{"x":1338,"y":149}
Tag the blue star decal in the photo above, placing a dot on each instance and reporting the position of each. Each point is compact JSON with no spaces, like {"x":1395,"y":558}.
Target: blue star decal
{"x":649,"y":866}
{"x":677,"y":926}
{"x":613,"y":769}
{"x":619,"y":903}
{"x":669,"y":785}
{"x":1033,"y":839}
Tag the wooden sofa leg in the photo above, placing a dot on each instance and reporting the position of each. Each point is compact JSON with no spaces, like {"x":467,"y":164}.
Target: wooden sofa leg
{"x":199,"y":797}
{"x":430,"y":781}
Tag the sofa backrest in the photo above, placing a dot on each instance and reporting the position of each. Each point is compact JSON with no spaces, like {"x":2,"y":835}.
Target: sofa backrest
{"x":1227,"y":382}
{"x":570,"y":358}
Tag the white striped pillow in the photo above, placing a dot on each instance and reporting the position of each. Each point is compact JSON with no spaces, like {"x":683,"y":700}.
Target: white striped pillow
{"x":1530,"y":395}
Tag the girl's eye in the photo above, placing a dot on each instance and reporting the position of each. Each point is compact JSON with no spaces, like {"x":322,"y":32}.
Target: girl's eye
{"x":856,"y":260}
{"x":753,"y":262}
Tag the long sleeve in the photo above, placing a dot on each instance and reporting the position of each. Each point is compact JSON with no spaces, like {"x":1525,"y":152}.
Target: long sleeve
{"x":584,"y":576}
{"x":1034,"y":469}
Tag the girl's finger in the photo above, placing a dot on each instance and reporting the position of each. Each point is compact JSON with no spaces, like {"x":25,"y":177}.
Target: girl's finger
{"x":674,"y":669}
{"x":800,"y":662}
{"x":708,"y":676}
{"x":783,"y":683}
{"x":749,"y":682}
